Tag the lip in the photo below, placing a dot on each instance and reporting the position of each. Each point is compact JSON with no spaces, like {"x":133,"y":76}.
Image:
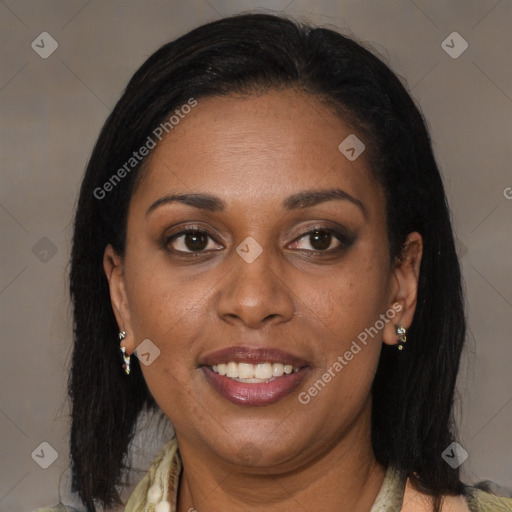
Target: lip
{"x":252,"y":355}
{"x":255,"y":395}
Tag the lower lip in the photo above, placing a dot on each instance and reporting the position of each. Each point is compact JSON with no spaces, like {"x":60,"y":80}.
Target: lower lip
{"x":254,"y":395}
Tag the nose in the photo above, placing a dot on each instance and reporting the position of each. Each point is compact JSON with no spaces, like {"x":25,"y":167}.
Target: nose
{"x":255,"y":294}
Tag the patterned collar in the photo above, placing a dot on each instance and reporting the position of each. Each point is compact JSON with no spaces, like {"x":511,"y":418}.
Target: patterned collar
{"x":158,"y":490}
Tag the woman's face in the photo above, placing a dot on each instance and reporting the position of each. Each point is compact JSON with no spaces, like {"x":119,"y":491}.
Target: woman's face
{"x":286,"y":269}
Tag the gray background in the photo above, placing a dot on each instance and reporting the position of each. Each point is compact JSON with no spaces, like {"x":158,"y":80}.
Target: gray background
{"x":52,"y":111}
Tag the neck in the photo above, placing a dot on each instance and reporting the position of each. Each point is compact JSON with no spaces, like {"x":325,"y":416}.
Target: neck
{"x":344,"y":477}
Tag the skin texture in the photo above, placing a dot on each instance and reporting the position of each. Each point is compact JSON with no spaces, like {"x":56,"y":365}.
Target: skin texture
{"x":253,"y":152}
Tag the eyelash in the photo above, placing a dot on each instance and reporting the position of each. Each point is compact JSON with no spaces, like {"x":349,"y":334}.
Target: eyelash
{"x":344,"y":238}
{"x":190,"y":230}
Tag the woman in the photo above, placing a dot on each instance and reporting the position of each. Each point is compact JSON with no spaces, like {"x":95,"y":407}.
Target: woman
{"x":263,"y":226}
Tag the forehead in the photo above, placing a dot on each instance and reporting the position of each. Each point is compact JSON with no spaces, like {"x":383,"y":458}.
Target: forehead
{"x":256,"y":148}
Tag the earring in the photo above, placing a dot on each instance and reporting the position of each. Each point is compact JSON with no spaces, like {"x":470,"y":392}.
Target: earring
{"x":126,"y":357}
{"x":402,"y":338}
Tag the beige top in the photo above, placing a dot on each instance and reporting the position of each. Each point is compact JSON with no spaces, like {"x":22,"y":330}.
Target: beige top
{"x":158,"y":491}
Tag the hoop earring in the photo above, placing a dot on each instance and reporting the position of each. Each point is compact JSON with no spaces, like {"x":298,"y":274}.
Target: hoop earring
{"x":402,"y":338}
{"x":126,"y":357}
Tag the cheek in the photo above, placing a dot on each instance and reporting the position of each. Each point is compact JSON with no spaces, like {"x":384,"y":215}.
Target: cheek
{"x":345,"y":308}
{"x":346,"y":301}
{"x":348,"y":351}
{"x":170,"y":311}
{"x":163,"y":299}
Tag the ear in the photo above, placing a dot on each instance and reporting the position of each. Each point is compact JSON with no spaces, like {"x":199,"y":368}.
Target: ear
{"x":114,"y":270}
{"x":404,"y":287}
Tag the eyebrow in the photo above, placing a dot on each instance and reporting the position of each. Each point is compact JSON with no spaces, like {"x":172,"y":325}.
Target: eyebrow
{"x":314,"y":197}
{"x":201,"y":201}
{"x":296,"y":201}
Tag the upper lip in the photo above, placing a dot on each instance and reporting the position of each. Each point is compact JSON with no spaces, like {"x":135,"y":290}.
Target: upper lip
{"x":252,"y":355}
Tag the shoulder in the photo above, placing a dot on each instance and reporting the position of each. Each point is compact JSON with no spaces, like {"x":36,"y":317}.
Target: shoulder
{"x":472,"y":500}
{"x":416,"y":501}
{"x":484,"y":501}
{"x":154,"y":485}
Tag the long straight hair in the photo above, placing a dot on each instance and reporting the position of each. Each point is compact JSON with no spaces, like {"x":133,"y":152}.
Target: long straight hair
{"x":252,"y":53}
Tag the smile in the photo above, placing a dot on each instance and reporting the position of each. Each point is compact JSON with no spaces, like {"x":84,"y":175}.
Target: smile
{"x":253,"y":376}
{"x":254,"y":373}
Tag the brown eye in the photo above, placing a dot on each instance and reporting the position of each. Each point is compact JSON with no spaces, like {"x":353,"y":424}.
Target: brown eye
{"x":320,"y":240}
{"x":192,"y":241}
{"x":196,"y":241}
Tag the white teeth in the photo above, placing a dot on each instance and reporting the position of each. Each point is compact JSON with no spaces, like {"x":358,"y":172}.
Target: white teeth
{"x":277,"y":369}
{"x":232,"y":370}
{"x":246,"y":371}
{"x":263,"y":371}
{"x":253,"y":373}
